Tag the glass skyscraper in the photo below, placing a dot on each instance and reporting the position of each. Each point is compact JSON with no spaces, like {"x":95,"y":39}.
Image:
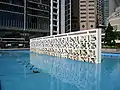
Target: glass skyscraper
{"x":28,"y":17}
{"x":106,"y":10}
{"x":64,"y":16}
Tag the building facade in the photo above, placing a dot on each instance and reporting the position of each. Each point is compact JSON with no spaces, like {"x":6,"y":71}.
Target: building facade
{"x":100,"y":13}
{"x":87,"y":14}
{"x":75,"y":15}
{"x":106,"y":10}
{"x":64,"y":16}
{"x":54,"y":17}
{"x":28,"y":17}
{"x":90,"y":14}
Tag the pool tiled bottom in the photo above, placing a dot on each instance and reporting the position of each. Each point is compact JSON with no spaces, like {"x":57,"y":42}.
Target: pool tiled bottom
{"x":16,"y":73}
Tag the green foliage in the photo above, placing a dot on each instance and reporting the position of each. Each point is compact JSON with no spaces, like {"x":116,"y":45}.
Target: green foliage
{"x":110,"y":36}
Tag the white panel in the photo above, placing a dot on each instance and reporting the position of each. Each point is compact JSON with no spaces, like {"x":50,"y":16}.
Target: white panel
{"x":82,"y":45}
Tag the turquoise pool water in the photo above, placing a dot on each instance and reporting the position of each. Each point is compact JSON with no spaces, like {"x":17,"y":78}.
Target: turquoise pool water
{"x":16,"y":72}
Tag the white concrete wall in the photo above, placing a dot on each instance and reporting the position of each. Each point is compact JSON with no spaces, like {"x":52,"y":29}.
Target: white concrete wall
{"x":82,"y":45}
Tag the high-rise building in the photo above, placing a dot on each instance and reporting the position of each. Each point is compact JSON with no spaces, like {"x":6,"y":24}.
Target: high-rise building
{"x":90,"y":14}
{"x":28,"y":17}
{"x":54,"y":17}
{"x":74,"y":15}
{"x":100,"y":13}
{"x":64,"y":16}
{"x":87,"y":14}
{"x":106,"y":10}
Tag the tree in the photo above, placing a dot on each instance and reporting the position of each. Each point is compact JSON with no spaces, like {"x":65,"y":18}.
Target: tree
{"x":110,"y":35}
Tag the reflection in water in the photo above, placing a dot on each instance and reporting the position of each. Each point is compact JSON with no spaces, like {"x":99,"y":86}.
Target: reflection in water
{"x":16,"y":73}
{"x":85,"y":76}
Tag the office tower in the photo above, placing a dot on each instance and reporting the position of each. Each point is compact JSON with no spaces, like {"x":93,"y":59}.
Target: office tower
{"x":87,"y":14}
{"x":64,"y":16}
{"x":100,"y":13}
{"x":28,"y":17}
{"x":71,"y":15}
{"x":68,"y":16}
{"x":90,"y":14}
{"x":54,"y":17}
{"x":74,"y":15}
{"x":106,"y":10}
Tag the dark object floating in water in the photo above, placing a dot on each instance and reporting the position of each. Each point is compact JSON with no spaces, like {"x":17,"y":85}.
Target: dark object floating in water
{"x":34,"y":71}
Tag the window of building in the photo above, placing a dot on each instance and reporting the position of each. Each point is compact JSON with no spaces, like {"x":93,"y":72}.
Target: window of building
{"x":83,"y":26}
{"x":91,"y":21}
{"x":91,"y":1}
{"x":91,"y":17}
{"x":91,"y":13}
{"x":83,"y":16}
{"x":54,"y":16}
{"x":68,"y":11}
{"x":55,"y":22}
{"x":83,"y":9}
{"x":83,"y":13}
{"x":68,"y":21}
{"x":55,"y":10}
{"x":75,"y":25}
{"x":67,"y":1}
{"x":91,"y":4}
{"x":54,"y":33}
{"x":68,"y":27}
{"x":54,"y":4}
{"x":54,"y":28}
{"x":55,"y":0}
{"x":82,"y":5}
{"x":91,"y":26}
{"x":91,"y":8}
{"x":68,"y":16}
{"x":83,"y":20}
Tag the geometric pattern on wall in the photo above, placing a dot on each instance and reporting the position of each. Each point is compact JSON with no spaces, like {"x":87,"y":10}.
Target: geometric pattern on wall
{"x":82,"y":45}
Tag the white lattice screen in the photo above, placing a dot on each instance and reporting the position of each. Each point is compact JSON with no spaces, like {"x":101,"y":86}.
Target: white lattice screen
{"x":82,"y":45}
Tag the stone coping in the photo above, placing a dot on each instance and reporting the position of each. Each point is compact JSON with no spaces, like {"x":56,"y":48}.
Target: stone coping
{"x":116,"y":51}
{"x":14,"y":49}
{"x":104,"y":50}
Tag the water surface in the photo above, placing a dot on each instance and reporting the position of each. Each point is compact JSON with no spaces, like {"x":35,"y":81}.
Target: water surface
{"x":16,"y":72}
